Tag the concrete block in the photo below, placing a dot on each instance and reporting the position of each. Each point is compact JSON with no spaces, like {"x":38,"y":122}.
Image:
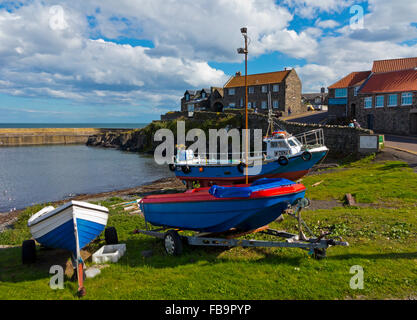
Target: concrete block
{"x":92,"y":272}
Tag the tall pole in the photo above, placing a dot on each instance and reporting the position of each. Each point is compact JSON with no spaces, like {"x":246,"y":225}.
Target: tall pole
{"x":246,"y":107}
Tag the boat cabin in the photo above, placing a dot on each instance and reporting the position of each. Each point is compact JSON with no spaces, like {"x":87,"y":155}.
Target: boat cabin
{"x":281,"y":144}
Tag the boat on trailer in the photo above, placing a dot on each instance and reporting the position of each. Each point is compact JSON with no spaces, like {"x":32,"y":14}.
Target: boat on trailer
{"x":71,"y":227}
{"x":286,"y":156}
{"x":220,"y":215}
{"x":219,"y":209}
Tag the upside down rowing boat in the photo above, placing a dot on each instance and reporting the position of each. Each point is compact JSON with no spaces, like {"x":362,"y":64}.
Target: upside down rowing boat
{"x":219,"y":209}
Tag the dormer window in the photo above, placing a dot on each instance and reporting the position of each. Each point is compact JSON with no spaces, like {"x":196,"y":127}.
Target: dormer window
{"x":187,"y":97}
{"x":203,"y":95}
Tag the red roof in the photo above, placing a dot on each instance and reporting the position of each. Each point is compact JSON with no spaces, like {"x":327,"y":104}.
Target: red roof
{"x":394,"y":65}
{"x":351,"y":80}
{"x":258,"y":79}
{"x":397,"y":81}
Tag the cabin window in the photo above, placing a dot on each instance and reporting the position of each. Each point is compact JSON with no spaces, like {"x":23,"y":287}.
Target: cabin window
{"x":264,"y":89}
{"x":407,"y":99}
{"x":275,"y":104}
{"x":251,"y":90}
{"x":232,"y":92}
{"x":368,"y":102}
{"x":379,"y":102}
{"x":278,"y":144}
{"x":292,"y":143}
{"x":341,"y":93}
{"x":392,"y":100}
{"x":275,"y":88}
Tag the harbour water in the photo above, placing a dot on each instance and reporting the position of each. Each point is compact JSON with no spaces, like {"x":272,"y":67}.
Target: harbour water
{"x":74,"y":125}
{"x":32,"y":175}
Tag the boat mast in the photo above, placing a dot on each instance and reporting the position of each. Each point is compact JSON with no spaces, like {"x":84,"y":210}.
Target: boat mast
{"x":244,"y":51}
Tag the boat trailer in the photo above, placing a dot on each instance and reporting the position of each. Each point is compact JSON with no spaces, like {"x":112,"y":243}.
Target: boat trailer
{"x":316,"y":246}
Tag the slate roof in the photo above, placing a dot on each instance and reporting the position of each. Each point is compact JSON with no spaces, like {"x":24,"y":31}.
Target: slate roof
{"x":258,"y":79}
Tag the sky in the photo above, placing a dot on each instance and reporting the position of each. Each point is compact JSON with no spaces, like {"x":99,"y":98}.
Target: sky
{"x":129,"y":61}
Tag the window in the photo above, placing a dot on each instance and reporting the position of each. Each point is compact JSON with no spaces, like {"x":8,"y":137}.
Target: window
{"x":232,"y":104}
{"x":203,"y":95}
{"x":187,"y":97}
{"x":264,"y":89}
{"x":379,"y":102}
{"x":191,"y":108}
{"x":368,"y":103}
{"x":231,"y":92}
{"x":251,"y":90}
{"x":254,"y":104}
{"x":249,"y":104}
{"x":317,"y":101}
{"x":407,"y":99}
{"x":275,"y":104}
{"x":341,"y":93}
{"x":275,"y":88}
{"x":264,"y":105}
{"x":392,"y":100}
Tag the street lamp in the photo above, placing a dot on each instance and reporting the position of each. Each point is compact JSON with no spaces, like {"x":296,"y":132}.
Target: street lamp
{"x":245,"y":51}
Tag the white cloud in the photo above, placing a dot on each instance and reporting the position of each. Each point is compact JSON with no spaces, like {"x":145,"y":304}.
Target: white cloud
{"x":327,"y":24}
{"x":310,"y":8}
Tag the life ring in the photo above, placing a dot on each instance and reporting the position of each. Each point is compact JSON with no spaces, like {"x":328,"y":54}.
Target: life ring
{"x":306,"y":156}
{"x":241,"y":167}
{"x":172,"y":167}
{"x":283,"y":160}
{"x":186,"y":169}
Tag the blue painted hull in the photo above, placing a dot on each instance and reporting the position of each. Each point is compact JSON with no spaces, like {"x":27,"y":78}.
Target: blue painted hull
{"x":63,"y":237}
{"x":219,"y":216}
{"x":225,"y":174}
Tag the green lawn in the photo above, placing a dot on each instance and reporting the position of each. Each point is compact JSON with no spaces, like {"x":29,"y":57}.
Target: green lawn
{"x":382,"y":237}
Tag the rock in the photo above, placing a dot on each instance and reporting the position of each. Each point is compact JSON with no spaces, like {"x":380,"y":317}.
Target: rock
{"x":92,"y":272}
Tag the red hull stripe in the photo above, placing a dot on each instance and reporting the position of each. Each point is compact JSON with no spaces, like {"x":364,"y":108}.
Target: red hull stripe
{"x":285,"y":175}
{"x":202,"y":194}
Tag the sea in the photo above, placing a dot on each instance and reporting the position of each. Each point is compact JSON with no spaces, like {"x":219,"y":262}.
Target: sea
{"x":39,"y":174}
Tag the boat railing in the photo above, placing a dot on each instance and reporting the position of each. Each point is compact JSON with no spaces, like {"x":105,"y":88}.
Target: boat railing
{"x":220,"y":158}
{"x":311,"y":139}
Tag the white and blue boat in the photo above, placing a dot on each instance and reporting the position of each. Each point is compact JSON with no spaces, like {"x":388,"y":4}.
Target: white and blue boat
{"x":71,"y":226}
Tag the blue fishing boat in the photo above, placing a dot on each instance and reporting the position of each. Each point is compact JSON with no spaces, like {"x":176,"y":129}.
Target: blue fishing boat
{"x":219,"y":209}
{"x":72,"y":225}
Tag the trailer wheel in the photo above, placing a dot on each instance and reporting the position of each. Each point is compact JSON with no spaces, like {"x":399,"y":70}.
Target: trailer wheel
{"x":28,"y":251}
{"x":306,"y":156}
{"x":110,"y":234}
{"x":173,"y":243}
{"x":283,"y":160}
{"x":319,"y":254}
{"x":172,"y":167}
{"x":186,"y":169}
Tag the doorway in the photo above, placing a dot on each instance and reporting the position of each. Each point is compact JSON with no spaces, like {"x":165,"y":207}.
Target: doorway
{"x":353,"y":110}
{"x":370,"y":121}
{"x":413,"y":123}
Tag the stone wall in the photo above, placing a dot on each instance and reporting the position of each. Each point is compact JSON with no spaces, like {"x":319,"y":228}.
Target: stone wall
{"x":28,"y":136}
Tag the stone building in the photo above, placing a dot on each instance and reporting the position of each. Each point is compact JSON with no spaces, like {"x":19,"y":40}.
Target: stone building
{"x":315,"y":99}
{"x":203,"y":100}
{"x":281,"y":90}
{"x":383,"y":100}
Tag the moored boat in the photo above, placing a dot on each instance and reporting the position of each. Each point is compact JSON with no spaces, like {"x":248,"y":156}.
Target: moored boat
{"x":219,"y":209}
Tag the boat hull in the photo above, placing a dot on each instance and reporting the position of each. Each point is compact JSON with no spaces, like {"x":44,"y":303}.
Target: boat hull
{"x":208,"y":214}
{"x":57,"y":229}
{"x":296,"y":168}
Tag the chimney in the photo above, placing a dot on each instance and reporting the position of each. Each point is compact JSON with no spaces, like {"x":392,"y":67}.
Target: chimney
{"x":238,"y":74}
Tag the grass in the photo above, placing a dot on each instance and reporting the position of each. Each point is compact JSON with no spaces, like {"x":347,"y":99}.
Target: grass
{"x":382,"y":239}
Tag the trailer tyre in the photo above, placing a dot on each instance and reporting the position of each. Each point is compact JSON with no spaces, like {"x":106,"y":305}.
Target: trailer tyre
{"x":173,"y":243}
{"x":172,"y":167}
{"x":283,"y":160}
{"x":110,"y":234}
{"x":28,"y":251}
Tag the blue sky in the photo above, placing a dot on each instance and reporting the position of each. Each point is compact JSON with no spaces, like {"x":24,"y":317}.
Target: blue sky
{"x":130,"y":61}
